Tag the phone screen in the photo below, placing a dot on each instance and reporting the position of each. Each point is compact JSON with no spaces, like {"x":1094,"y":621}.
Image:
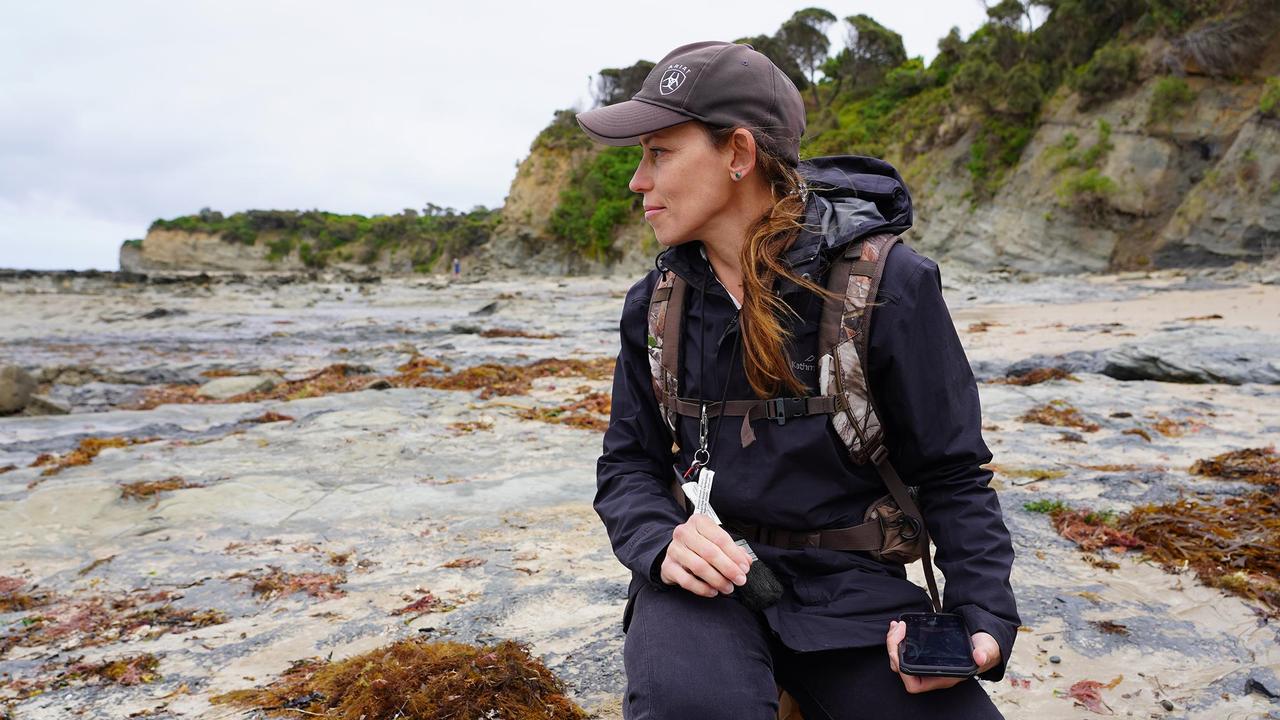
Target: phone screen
{"x":937,"y":640}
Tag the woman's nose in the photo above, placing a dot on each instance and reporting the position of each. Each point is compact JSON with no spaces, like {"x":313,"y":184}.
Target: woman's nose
{"x":640,"y":180}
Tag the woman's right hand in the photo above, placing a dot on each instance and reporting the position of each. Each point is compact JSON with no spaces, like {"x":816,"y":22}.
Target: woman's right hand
{"x":702,"y":558}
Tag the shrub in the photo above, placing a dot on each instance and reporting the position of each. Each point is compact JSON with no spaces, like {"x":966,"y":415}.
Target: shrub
{"x":1269,"y":103}
{"x":597,"y":200}
{"x":1108,"y":73}
{"x":1169,"y":100}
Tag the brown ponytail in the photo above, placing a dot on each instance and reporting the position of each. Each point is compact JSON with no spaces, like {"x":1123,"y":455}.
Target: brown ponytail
{"x":763,"y":337}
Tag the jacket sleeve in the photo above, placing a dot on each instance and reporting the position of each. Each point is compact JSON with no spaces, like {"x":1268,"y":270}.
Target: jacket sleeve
{"x":930,"y":411}
{"x":633,"y":498}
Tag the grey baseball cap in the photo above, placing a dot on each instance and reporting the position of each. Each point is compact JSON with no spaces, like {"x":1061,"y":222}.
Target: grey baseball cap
{"x":719,"y":83}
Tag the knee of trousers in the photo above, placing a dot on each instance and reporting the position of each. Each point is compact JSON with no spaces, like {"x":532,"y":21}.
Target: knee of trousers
{"x":691,"y":698}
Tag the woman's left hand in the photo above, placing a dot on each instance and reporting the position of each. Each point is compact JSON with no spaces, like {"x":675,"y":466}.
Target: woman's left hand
{"x":986,"y":653}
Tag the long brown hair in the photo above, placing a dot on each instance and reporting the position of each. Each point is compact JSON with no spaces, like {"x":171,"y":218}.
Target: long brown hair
{"x":764,"y":340}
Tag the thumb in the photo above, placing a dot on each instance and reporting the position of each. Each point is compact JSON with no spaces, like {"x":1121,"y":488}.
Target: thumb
{"x":980,"y":656}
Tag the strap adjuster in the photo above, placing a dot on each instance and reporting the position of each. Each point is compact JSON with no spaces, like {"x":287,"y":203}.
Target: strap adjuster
{"x":779,"y":409}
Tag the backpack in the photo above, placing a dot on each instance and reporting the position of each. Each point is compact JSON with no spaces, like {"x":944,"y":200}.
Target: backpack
{"x":893,"y":528}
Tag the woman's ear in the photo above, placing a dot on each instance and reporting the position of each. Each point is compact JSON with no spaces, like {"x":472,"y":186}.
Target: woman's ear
{"x":742,"y":153}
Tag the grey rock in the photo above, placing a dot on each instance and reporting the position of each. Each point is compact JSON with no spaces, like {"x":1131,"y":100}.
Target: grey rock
{"x":464,"y":328}
{"x":487,"y":310}
{"x":379,"y":384}
{"x":16,"y":386}
{"x":44,"y":405}
{"x":227,"y":387}
{"x":1198,"y":355}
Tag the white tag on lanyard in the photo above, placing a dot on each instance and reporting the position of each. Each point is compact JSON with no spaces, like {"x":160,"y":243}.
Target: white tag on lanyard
{"x":699,"y":493}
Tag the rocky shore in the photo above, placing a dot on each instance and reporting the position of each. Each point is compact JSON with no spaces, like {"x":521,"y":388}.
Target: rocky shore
{"x":224,"y":474}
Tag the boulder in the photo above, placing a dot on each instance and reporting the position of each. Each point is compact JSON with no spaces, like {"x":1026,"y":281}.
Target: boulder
{"x":16,"y":386}
{"x":1198,"y":355}
{"x":228,"y":387}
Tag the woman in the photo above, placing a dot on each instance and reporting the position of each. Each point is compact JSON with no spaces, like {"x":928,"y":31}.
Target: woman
{"x":752,"y":232}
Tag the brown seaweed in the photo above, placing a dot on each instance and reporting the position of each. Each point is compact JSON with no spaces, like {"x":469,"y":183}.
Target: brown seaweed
{"x":419,"y":679}
{"x":1058,"y":413}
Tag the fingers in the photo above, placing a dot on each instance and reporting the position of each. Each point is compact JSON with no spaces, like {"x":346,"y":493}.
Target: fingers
{"x":703,"y":558}
{"x":984,"y":643}
{"x":674,"y":574}
{"x":897,"y":631}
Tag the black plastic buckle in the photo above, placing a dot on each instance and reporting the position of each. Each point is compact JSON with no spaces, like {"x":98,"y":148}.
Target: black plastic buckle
{"x":779,"y":409}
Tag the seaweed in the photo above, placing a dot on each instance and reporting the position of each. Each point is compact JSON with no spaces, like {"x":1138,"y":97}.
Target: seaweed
{"x":128,"y":670}
{"x":1035,"y":376}
{"x":278,"y":583}
{"x":510,"y":332}
{"x":100,"y":620}
{"x":1255,"y":465}
{"x":11,"y":600}
{"x":1230,"y":546}
{"x":1058,"y":413}
{"x":1092,"y":530}
{"x":464,"y":562}
{"x":269,"y":417}
{"x":419,"y":679}
{"x":143,"y":489}
{"x":588,"y":413}
{"x":84,"y":453}
{"x":501,"y":379}
{"x":462,"y":427}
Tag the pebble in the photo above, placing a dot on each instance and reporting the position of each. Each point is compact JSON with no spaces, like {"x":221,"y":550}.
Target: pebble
{"x":1055,"y":659}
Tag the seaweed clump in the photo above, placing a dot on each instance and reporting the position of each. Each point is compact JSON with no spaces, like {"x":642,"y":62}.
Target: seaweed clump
{"x":143,"y":489}
{"x":588,"y":413}
{"x":278,"y":583}
{"x":500,"y":379}
{"x":129,"y":670}
{"x":1230,"y":546}
{"x":83,"y":454}
{"x":418,"y":679}
{"x":1035,"y":376}
{"x":1059,"y":413}
{"x":1255,"y":465}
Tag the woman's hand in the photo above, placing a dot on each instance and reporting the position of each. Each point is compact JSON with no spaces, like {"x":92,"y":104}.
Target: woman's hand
{"x":702,"y":558}
{"x":986,"y":653}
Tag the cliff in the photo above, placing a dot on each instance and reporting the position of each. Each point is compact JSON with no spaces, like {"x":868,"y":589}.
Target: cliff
{"x":1199,"y":188}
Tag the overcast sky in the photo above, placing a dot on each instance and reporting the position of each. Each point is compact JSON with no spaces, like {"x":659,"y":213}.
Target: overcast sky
{"x":113,"y":114}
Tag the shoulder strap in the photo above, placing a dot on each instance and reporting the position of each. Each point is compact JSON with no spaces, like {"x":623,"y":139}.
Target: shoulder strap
{"x":844,"y":336}
{"x":666,"y":309}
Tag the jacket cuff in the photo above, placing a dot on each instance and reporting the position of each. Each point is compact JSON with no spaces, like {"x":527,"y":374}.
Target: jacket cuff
{"x":977,"y":620}
{"x":655,"y":569}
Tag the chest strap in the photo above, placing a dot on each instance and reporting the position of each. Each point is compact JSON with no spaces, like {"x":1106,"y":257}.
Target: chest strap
{"x":778,"y":410}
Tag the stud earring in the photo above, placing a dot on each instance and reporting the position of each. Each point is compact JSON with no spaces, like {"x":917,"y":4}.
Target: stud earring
{"x":737,"y":176}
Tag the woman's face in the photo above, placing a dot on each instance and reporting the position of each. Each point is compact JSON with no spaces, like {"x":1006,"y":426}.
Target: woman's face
{"x":685,"y":182}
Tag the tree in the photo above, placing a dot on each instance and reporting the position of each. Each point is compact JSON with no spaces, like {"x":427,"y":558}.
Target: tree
{"x":804,"y":39}
{"x":617,"y":84}
{"x":871,"y":50}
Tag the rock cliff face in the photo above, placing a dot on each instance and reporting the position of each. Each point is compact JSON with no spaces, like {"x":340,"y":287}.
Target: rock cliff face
{"x":170,"y":250}
{"x":1201,"y":187}
{"x":180,"y":250}
{"x":521,"y":242}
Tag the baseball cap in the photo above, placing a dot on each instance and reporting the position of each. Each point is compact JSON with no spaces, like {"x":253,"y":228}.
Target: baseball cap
{"x":719,"y":83}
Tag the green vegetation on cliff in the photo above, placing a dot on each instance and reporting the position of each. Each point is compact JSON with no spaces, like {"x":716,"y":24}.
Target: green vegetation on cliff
{"x":870,"y":98}
{"x":323,"y":237}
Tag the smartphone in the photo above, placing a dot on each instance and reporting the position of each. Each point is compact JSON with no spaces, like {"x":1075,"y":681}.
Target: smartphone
{"x":936,"y":644}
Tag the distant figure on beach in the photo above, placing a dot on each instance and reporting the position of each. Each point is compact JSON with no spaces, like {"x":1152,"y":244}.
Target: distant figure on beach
{"x":457,"y":267}
{"x":798,"y":353}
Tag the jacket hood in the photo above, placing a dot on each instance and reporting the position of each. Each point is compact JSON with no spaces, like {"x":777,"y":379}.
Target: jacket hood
{"x":850,"y":197}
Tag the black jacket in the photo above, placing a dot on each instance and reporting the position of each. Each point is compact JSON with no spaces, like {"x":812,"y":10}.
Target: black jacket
{"x":798,"y":475}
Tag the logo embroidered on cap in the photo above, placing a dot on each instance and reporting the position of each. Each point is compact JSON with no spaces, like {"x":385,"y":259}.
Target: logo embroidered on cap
{"x":672,"y":79}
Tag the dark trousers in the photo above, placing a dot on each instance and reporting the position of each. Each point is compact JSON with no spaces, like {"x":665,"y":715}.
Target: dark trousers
{"x":689,"y":657}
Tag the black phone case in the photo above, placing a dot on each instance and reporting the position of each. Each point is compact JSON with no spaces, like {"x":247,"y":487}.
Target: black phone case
{"x":934,"y":670}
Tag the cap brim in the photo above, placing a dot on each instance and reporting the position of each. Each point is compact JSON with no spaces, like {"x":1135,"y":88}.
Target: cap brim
{"x":623,"y":123}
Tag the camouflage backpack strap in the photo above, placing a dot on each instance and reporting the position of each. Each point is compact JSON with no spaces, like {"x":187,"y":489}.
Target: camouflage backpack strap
{"x":854,"y":279}
{"x":844,"y":336}
{"x":666,"y":308}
